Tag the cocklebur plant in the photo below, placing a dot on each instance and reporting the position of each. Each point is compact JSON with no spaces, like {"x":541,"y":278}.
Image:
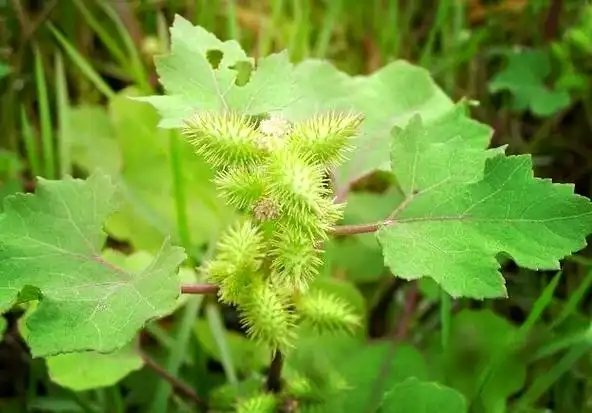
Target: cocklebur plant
{"x":454,"y":206}
{"x":277,"y":173}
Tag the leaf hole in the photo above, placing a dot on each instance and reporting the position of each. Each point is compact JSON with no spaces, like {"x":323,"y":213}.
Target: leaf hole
{"x":214,"y":56}
{"x":29,"y":293}
{"x":243,"y":72}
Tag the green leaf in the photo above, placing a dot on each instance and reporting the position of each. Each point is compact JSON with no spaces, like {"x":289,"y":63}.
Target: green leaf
{"x":52,"y":240}
{"x":475,"y":338}
{"x":125,"y":142}
{"x":193,"y":83}
{"x":92,"y":139}
{"x":361,"y":261}
{"x":91,"y":370}
{"x":448,"y":151}
{"x":525,"y":76}
{"x":372,"y":370}
{"x":140,"y":260}
{"x":388,"y":98}
{"x":413,"y":395}
{"x":320,"y":87}
{"x":452,"y":224}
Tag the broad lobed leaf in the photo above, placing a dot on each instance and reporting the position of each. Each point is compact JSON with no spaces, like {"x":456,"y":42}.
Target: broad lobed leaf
{"x":464,"y":207}
{"x":193,"y":83}
{"x":52,"y":241}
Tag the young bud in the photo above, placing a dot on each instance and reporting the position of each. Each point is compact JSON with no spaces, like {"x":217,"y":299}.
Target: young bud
{"x":273,"y":133}
{"x":275,"y":126}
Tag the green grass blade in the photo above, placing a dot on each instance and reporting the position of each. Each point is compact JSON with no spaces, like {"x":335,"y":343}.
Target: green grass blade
{"x":136,"y":66}
{"x":392,"y":30}
{"x":538,"y":308}
{"x":299,"y":36}
{"x":160,"y":335}
{"x":206,"y":13}
{"x":331,"y":17}
{"x":179,"y":190}
{"x":542,"y":383}
{"x":108,"y":41}
{"x":232,"y":27}
{"x":84,"y":66}
{"x":31,"y":150}
{"x":559,"y":344}
{"x":162,"y":31}
{"x":47,"y":144}
{"x":574,"y":300}
{"x":437,"y":27}
{"x":63,"y":108}
{"x":218,"y":331}
{"x":267,"y":32}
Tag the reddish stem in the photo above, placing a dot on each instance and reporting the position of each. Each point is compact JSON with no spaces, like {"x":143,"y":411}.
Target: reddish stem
{"x":199,"y":289}
{"x":359,"y":229}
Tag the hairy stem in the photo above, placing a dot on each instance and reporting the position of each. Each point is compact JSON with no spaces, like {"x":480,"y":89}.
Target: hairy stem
{"x":274,"y":376}
{"x":359,"y":229}
{"x":199,"y":289}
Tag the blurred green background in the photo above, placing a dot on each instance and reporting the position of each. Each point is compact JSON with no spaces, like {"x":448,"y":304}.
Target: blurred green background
{"x":67,"y":68}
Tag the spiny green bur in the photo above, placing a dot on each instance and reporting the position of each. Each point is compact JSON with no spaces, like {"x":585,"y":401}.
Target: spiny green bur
{"x":275,"y":172}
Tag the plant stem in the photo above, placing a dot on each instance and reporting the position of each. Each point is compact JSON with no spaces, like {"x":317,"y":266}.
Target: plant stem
{"x":274,"y":376}
{"x":199,"y":289}
{"x":359,"y":229}
{"x":177,"y":354}
{"x":178,"y":386}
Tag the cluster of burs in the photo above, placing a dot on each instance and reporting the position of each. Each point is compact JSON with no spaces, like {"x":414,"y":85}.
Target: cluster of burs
{"x":275,"y":173}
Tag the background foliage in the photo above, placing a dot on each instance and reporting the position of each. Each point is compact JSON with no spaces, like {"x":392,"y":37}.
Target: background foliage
{"x":66,"y":69}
